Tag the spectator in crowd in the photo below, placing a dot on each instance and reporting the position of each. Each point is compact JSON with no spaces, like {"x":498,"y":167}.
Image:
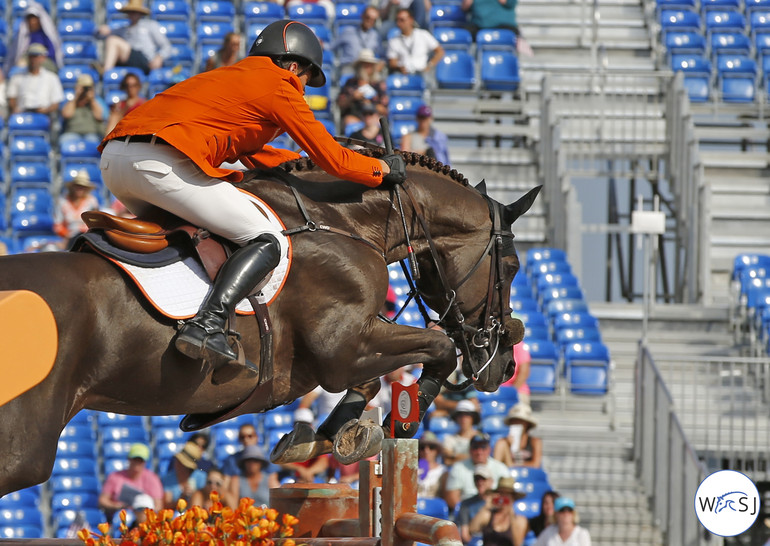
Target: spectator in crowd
{"x":84,"y":115}
{"x":36,"y":27}
{"x":522,"y":359}
{"x":78,"y":199}
{"x":467,"y":417}
{"x":3,"y":96}
{"x":140,"y":44}
{"x":324,"y":401}
{"x":131,"y":85}
{"x":427,"y":139}
{"x":432,"y":472}
{"x":496,"y":520}
{"x":138,"y":510}
{"x":565,"y":531}
{"x":228,"y":54}
{"x":371,"y":131}
{"x":413,"y":50}
{"x":520,"y":447}
{"x":121,"y":488}
{"x":460,"y":484}
{"x":184,"y":477}
{"x":382,"y":398}
{"x":482,"y":477}
{"x":547,"y":515}
{"x":247,"y":436}
{"x":353,"y":39}
{"x":252,"y":482}
{"x":36,"y":89}
{"x":365,"y":88}
{"x":419,"y":10}
{"x":215,"y":481}
{"x":496,"y":14}
{"x":204,"y":441}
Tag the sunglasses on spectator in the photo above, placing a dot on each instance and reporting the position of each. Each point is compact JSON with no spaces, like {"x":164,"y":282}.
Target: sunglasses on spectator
{"x":214,"y":483}
{"x":244,"y":436}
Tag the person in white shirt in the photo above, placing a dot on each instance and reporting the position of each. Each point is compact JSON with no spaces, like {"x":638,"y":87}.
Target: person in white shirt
{"x":566,"y":531}
{"x":36,"y":90}
{"x":414,"y":50}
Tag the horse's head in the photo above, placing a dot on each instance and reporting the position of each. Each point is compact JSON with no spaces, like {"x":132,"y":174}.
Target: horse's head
{"x":469,"y":285}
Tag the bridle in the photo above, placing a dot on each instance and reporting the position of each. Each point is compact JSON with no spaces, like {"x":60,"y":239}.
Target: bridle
{"x":452,"y":318}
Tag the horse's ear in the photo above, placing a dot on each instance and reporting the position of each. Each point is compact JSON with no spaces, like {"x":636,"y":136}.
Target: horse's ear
{"x":481,"y":187}
{"x":514,"y":210}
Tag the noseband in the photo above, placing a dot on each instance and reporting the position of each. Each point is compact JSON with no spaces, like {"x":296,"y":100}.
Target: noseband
{"x":452,"y":318}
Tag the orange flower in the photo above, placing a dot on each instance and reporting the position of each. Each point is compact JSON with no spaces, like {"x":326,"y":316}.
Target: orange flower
{"x":271,"y":514}
{"x":289,"y":520}
{"x":104,"y":528}
{"x":288,"y":543}
{"x":181,"y":505}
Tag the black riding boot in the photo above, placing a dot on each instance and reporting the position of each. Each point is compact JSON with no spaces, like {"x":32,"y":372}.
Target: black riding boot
{"x":204,"y":336}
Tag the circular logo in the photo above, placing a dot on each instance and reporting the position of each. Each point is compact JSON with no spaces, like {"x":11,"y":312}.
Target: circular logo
{"x":404,"y":405}
{"x":727,"y":503}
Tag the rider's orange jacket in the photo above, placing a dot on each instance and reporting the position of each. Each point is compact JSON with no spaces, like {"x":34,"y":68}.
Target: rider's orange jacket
{"x":231,"y":113}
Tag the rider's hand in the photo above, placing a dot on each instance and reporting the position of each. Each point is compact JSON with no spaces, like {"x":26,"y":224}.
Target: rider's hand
{"x":397,"y":166}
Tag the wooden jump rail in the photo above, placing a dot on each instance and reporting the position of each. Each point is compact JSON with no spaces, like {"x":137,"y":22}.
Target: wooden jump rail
{"x":383,"y":512}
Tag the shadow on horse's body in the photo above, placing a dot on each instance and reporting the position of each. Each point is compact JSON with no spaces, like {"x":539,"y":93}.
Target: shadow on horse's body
{"x":115,"y":352}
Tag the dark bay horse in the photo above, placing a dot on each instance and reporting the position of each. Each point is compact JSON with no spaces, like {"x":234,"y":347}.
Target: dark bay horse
{"x":115,"y":352}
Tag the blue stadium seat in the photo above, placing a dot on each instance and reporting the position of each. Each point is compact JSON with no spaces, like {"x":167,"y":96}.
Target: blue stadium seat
{"x":29,"y":147}
{"x":19,"y":6}
{"x":275,"y":419}
{"x":21,"y":516}
{"x":78,"y":431}
{"x":254,"y":29}
{"x":724,"y":20}
{"x":679,"y":20}
{"x":213,"y":31}
{"x":560,"y":292}
{"x":91,"y":516}
{"x":676,"y":4}
{"x":87,"y":484}
{"x":83,"y":417}
{"x":456,"y":71}
{"x":112,"y":10}
{"x":69,"y":74}
{"x":223,"y":451}
{"x":123,"y":434}
{"x":685,"y":42}
{"x":167,"y":434}
{"x":177,"y":32}
{"x":565,"y":306}
{"x":348,"y":14}
{"x":403,"y":107}
{"x":729,"y":42}
{"x":114,"y":465}
{"x":113,"y":96}
{"x":405,"y":84}
{"x":74,"y":467}
{"x":25,"y":498}
{"x":310,"y":14}
{"x":544,"y":361}
{"x":454,"y":38}
{"x":170,"y":10}
{"x":736,"y":77}
{"x":565,"y":336}
{"x":435,"y":507}
{"x":494,"y":424}
{"x":29,"y":123}
{"x":166,"y":450}
{"x":697,"y":75}
{"x":262,"y":12}
{"x":79,"y":52}
{"x":500,"y":71}
{"x":104,"y":419}
{"x":401,"y":127}
{"x":732,"y":5}
{"x":78,"y":148}
{"x":524,"y":305}
{"x":226,"y":435}
{"x":69,"y":448}
{"x":181,"y":55}
{"x":587,"y":367}
{"x":205,"y":50}
{"x":441,"y":424}
{"x":521,"y":290}
{"x":449,"y":15}
{"x":495,"y":407}
{"x":496,"y":39}
{"x":576,"y":319}
{"x":70,"y":169}
{"x":75,"y":9}
{"x":33,"y":205}
{"x":539,"y":254}
{"x":215,"y":10}
{"x":543,"y":267}
{"x":71,"y":500}
{"x":533,"y":319}
{"x":21,"y":531}
{"x":526,"y":474}
{"x":752,"y":5}
{"x":322,"y":32}
{"x":26,"y":172}
{"x":536,"y":332}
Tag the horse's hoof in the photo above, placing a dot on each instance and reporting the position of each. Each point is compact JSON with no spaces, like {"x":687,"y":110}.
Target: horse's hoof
{"x":299,"y":445}
{"x":358,"y":440}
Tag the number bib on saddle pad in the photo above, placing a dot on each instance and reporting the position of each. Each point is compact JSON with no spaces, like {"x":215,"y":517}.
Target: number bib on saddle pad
{"x":176,"y":286}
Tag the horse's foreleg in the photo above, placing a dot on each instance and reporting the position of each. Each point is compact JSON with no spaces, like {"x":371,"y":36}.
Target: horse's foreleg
{"x":303,"y":443}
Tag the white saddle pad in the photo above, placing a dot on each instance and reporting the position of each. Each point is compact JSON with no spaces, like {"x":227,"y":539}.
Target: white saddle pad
{"x":177,"y":290}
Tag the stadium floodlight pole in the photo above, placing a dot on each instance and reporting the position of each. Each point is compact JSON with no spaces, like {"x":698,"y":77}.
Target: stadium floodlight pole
{"x":388,"y":139}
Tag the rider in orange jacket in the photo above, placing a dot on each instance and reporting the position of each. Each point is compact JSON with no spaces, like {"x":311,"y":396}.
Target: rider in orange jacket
{"x":168,"y":153}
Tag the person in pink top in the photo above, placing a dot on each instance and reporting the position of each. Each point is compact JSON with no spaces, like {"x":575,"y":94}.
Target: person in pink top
{"x":522,"y":359}
{"x":121,"y":487}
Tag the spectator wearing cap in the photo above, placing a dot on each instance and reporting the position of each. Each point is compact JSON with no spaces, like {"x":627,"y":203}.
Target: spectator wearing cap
{"x":353,"y":39}
{"x":364,"y":89}
{"x":460,"y":484}
{"x":566,"y":531}
{"x":520,"y":447}
{"x":432,"y":472}
{"x":413,"y":50}
{"x":496,"y":520}
{"x":184,"y":477}
{"x":84,"y":115}
{"x":121,"y":487}
{"x":36,"y":27}
{"x":253,"y":481}
{"x":36,"y":89}
{"x":426,"y":139}
{"x":467,"y":417}
{"x":141,"y":503}
{"x":79,"y":198}
{"x":140,"y":44}
{"x":547,"y":515}
{"x":468,"y":508}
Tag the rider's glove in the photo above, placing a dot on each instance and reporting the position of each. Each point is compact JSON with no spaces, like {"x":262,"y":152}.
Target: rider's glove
{"x":397,"y":174}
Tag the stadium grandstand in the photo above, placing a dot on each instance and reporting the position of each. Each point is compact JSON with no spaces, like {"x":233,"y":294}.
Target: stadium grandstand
{"x":649,"y":345}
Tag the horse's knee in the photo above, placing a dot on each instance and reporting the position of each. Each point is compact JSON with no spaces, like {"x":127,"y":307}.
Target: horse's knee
{"x":369,"y":389}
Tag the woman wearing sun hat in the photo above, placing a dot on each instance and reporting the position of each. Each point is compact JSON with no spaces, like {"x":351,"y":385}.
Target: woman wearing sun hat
{"x":78,"y":199}
{"x":520,"y":447}
{"x":432,"y":476}
{"x":497,"y":521}
{"x":566,"y":531}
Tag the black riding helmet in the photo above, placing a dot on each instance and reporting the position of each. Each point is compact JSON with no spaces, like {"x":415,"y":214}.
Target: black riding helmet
{"x":284,"y":37}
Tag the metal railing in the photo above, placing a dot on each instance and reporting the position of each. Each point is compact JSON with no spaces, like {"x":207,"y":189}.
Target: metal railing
{"x":666,"y":463}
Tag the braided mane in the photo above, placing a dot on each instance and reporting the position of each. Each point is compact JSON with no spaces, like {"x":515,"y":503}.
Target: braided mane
{"x":411,"y":158}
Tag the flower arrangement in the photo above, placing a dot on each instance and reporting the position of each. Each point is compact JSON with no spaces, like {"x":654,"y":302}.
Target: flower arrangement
{"x":247,"y":525}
